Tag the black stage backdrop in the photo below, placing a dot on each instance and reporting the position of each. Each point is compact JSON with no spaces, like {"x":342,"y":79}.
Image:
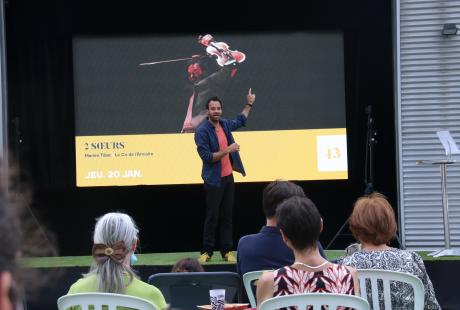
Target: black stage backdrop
{"x":41,"y":111}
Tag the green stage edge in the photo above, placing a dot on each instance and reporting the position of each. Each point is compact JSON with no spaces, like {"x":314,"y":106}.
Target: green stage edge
{"x":168,"y":259}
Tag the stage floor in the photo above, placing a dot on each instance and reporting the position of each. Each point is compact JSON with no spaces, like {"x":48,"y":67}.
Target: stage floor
{"x":168,"y":259}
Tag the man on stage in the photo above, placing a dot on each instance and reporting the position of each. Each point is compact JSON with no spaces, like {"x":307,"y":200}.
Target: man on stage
{"x":219,"y":153}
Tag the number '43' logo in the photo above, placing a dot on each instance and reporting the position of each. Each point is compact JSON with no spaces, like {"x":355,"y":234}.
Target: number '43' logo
{"x":333,"y":153}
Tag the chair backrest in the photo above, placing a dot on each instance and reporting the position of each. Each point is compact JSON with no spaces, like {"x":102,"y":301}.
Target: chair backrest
{"x":98,"y":300}
{"x":316,"y":301}
{"x":386,"y":276}
{"x":248,"y":281}
{"x":186,"y":290}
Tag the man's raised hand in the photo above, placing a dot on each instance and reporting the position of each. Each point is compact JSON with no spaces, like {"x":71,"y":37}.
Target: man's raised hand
{"x":251,"y":97}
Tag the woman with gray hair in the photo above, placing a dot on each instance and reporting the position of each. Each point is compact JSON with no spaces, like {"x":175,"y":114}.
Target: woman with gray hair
{"x":115,"y":240}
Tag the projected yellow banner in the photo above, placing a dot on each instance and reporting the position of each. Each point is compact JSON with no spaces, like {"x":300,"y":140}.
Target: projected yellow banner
{"x":314,"y":154}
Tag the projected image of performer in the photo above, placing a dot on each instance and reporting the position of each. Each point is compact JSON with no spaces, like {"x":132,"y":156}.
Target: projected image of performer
{"x":219,"y":153}
{"x":206,"y":84}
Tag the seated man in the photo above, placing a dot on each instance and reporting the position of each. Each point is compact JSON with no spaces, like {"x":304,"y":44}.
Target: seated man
{"x":266,"y":249}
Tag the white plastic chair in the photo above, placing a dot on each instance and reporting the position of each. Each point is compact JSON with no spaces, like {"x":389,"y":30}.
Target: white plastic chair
{"x":316,"y":300}
{"x":111,"y":301}
{"x":386,"y":276}
{"x":248,"y":279}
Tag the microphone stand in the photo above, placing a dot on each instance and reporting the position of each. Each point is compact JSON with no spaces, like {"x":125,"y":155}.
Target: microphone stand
{"x":371,"y":140}
{"x":368,"y":164}
{"x":369,"y":160}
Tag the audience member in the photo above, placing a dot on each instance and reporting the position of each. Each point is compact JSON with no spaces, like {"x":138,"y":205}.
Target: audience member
{"x":21,"y":236}
{"x":266,"y":249}
{"x":115,"y":240}
{"x":300,"y":224}
{"x":9,"y":254}
{"x":187,"y":265}
{"x":373,"y":223}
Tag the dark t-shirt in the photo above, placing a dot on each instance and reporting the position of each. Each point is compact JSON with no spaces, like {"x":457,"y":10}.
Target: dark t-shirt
{"x":264,"y":251}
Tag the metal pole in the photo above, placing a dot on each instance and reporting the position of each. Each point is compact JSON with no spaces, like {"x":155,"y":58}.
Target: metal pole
{"x":445,"y":205}
{"x":3,"y":89}
{"x":447,"y":251}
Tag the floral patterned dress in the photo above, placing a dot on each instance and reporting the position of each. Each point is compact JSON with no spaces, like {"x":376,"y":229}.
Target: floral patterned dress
{"x":333,"y":279}
{"x":402,"y":296}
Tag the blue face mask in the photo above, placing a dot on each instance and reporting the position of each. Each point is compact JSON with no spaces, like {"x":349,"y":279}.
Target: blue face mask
{"x":133,"y":259}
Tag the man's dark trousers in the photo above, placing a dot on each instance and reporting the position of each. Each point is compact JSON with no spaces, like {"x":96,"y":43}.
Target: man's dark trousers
{"x":219,"y":212}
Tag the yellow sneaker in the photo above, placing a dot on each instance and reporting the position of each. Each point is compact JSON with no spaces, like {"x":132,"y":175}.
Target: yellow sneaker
{"x":204,"y":258}
{"x":229,"y":257}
